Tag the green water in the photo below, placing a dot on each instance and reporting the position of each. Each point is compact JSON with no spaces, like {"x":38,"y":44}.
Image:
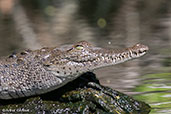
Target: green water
{"x":156,"y":91}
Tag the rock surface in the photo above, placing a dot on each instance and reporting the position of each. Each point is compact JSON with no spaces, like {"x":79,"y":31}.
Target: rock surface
{"x":84,"y":95}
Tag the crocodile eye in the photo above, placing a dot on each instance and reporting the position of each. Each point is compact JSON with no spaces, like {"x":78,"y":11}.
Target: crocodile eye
{"x":79,"y":47}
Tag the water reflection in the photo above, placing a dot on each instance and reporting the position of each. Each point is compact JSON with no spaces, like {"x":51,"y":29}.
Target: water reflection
{"x":156,"y":90}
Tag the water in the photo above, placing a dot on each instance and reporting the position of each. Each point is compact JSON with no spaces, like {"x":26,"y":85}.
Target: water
{"x":104,"y":23}
{"x":147,"y":79}
{"x":148,"y":83}
{"x":156,"y":91}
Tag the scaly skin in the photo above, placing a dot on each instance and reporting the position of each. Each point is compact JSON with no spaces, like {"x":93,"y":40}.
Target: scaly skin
{"x":36,"y":72}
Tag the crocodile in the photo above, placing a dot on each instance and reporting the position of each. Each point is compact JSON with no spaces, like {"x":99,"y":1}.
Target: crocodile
{"x":30,"y":73}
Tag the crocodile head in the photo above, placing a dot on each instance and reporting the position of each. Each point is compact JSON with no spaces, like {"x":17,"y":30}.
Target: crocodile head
{"x":81,"y":57}
{"x":40,"y":71}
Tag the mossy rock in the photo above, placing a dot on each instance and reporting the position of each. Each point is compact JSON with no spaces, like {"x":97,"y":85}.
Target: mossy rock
{"x":84,"y":95}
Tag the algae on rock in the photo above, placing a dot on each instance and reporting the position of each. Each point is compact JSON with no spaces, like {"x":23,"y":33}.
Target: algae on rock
{"x":84,"y":95}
